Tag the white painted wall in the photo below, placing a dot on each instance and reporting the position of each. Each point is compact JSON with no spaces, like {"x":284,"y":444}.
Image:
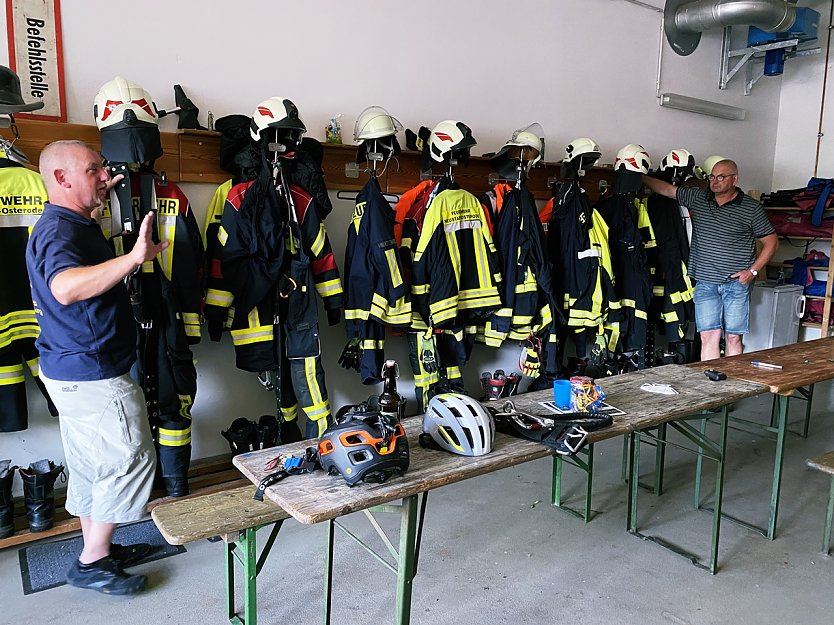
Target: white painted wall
{"x":800,"y":103}
{"x":579,"y":67}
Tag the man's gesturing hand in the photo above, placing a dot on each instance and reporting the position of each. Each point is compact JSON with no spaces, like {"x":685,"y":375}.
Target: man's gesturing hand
{"x":145,"y":248}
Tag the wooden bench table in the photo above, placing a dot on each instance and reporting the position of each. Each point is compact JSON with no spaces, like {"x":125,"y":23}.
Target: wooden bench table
{"x":803,"y":365}
{"x":317,"y":497}
{"x":646,"y":412}
{"x":825,"y":463}
{"x":235,"y":517}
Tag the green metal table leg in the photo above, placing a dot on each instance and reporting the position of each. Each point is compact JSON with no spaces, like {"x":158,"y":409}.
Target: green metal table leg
{"x":659,"y":460}
{"x":633,"y":486}
{"x":782,"y":409}
{"x":719,"y":490}
{"x":247,"y":556}
{"x":407,"y":559}
{"x":699,"y":462}
{"x":808,"y":412}
{"x":624,"y":468}
{"x":328,"y":573}
{"x":556,"y":482}
{"x":829,"y":516}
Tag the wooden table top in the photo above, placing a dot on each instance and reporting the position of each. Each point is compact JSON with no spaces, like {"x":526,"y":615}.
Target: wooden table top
{"x":808,"y":362}
{"x":317,"y":497}
{"x":643,"y":409}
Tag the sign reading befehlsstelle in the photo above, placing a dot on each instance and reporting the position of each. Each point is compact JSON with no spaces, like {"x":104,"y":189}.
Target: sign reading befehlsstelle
{"x":35,"y":53}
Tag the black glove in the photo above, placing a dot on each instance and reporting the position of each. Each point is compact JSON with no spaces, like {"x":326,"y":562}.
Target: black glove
{"x":215,"y":329}
{"x":334,"y":316}
{"x":351,"y":354}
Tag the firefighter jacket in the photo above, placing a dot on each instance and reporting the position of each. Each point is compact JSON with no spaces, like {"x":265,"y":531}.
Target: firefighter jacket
{"x":630,"y":234}
{"x":456,"y":273}
{"x":376,"y":295}
{"x":583,"y":282}
{"x":218,"y":299}
{"x":166,"y":297}
{"x":526,"y":286}
{"x":275,"y":252}
{"x":672,"y":288}
{"x":22,"y":195}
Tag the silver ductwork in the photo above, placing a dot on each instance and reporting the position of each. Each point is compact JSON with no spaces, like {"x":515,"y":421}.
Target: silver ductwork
{"x":685,"y":20}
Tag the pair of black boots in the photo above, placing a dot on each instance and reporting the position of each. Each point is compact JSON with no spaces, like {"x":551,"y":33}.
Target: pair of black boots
{"x":245,"y":435}
{"x":38,"y":492}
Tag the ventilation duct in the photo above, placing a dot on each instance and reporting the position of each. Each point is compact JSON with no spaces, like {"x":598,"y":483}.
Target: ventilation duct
{"x":684,"y":21}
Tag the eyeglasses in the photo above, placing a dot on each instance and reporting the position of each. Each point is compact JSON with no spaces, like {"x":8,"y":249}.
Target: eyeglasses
{"x":719,"y":177}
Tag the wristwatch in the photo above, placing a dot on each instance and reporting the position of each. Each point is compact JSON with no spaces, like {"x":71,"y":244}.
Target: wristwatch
{"x":754,"y":272}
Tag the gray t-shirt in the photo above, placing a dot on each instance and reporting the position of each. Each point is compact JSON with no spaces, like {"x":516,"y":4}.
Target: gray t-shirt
{"x":723,"y":237}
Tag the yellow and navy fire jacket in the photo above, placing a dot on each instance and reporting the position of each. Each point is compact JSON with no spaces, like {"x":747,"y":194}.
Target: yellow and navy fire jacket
{"x":672,"y":288}
{"x":525,"y":269}
{"x":583,"y":279}
{"x":262,"y":257}
{"x":630,"y":235}
{"x":22,"y":196}
{"x":376,"y":295}
{"x":456,"y":273}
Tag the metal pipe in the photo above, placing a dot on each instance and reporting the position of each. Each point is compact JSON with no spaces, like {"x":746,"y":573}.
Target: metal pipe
{"x":701,"y":15}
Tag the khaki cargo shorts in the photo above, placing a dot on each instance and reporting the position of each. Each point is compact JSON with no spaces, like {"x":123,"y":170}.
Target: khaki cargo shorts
{"x":108,"y":447}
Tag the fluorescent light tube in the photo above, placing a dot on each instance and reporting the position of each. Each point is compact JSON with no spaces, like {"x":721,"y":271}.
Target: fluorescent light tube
{"x":703,"y":107}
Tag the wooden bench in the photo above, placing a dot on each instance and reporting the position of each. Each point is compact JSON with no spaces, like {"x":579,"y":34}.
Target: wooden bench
{"x":825,"y":463}
{"x":235,"y":517}
{"x":207,"y":475}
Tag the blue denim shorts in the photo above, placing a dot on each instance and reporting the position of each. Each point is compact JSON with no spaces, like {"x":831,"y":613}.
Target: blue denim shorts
{"x":725,"y":305}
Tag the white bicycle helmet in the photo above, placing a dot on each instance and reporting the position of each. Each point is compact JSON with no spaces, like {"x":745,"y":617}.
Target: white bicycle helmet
{"x":633,"y":157}
{"x":459,"y":424}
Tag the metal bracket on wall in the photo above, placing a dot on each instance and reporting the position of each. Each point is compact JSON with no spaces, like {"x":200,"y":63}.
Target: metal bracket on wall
{"x":753,"y":58}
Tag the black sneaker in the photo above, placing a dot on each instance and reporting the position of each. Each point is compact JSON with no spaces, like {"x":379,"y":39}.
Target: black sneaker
{"x":128,"y":555}
{"x":105,"y":576}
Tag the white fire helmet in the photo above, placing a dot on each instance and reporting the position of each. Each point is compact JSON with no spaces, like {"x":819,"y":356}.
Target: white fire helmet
{"x":375,"y":123}
{"x":277,"y":113}
{"x":447,"y":137}
{"x":583,"y":146}
{"x":128,"y":120}
{"x":633,"y":157}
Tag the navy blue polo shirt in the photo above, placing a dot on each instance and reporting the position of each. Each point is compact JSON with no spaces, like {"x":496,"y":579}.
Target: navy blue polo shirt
{"x":93,"y":339}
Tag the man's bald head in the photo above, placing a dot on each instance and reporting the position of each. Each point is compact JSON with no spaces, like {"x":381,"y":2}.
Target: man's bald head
{"x":74,"y":175}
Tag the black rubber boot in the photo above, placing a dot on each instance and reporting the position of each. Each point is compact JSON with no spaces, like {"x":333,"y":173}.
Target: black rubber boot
{"x":241,"y":436}
{"x":38,"y":490}
{"x":176,"y":486}
{"x":266,"y":432}
{"x":6,"y":500}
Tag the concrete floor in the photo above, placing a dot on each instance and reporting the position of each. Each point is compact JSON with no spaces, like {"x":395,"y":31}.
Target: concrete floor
{"x":495,"y":552}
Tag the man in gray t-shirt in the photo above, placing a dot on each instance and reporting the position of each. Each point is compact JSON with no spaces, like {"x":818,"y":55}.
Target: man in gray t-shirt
{"x":725,"y":225}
